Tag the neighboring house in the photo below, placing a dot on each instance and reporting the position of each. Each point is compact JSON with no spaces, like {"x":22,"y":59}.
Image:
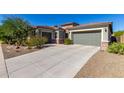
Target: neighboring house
{"x":95,"y":34}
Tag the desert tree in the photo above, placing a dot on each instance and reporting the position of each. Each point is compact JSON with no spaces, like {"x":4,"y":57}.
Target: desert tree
{"x":15,"y":30}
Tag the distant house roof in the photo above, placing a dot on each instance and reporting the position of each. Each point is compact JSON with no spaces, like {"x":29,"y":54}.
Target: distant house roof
{"x":70,"y":23}
{"x":49,"y":27}
{"x":93,"y":25}
{"x":45,"y":27}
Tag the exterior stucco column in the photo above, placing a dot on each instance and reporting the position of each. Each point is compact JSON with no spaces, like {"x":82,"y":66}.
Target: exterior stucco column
{"x":70,"y":35}
{"x":57,"y":37}
{"x":104,"y":39}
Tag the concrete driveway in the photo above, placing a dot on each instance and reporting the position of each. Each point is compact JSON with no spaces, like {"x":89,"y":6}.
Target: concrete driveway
{"x":52,"y":62}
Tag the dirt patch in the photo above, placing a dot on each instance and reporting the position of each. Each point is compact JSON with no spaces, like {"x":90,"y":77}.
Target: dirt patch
{"x":103,"y":65}
{"x":10,"y":51}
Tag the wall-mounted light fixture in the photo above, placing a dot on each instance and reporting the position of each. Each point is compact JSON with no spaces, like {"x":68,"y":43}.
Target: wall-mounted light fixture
{"x":105,"y":30}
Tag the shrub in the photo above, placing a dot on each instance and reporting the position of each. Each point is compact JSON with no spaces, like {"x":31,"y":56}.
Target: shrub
{"x":36,"y":41}
{"x":116,"y":48}
{"x":113,"y":48}
{"x":44,"y":40}
{"x":67,"y":41}
{"x":40,"y":41}
{"x":121,"y":49}
{"x":0,"y":41}
{"x":118,"y":33}
{"x":29,"y":43}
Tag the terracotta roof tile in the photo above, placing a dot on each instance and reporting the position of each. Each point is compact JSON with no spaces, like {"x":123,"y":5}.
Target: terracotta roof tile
{"x":46,"y":27}
{"x":92,"y":25}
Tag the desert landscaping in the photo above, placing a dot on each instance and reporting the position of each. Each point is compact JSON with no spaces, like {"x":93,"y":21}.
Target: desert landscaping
{"x":103,"y":65}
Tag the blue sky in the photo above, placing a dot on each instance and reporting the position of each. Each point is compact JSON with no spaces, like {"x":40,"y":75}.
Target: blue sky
{"x":56,"y":19}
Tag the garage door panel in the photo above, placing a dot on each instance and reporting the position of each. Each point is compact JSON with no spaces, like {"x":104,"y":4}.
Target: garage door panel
{"x":90,"y":38}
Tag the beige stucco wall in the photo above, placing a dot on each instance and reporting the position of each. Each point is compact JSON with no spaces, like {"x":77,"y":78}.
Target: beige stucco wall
{"x":105,"y":34}
{"x":68,"y":26}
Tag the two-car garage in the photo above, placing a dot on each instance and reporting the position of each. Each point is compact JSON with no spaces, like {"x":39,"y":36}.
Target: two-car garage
{"x":92,"y":38}
{"x":96,"y":34}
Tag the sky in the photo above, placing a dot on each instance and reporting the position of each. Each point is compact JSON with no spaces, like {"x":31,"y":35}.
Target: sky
{"x":58,"y":19}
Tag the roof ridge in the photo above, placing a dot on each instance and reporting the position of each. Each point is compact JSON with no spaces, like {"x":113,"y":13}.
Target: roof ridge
{"x":95,"y":23}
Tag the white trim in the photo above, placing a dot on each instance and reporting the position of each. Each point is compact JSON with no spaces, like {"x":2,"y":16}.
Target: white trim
{"x":102,"y":34}
{"x":80,"y":30}
{"x":106,"y":41}
{"x":57,"y":32}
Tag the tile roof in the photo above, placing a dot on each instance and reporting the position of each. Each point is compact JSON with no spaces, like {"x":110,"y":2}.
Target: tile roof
{"x":46,"y":27}
{"x":82,"y":26}
{"x":92,"y":25}
{"x":49,"y":27}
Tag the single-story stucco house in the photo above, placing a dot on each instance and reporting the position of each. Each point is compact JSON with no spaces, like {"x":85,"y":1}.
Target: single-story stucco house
{"x":54,"y":34}
{"x":94,"y":34}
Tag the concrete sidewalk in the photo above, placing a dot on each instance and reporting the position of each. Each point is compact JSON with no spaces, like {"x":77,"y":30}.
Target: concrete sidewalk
{"x":3,"y":71}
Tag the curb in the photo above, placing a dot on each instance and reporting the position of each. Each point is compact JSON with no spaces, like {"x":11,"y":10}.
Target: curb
{"x":3,"y":68}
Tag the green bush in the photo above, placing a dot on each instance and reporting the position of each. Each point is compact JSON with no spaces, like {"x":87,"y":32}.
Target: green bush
{"x":121,"y":49}
{"x":29,"y":43}
{"x":14,"y":30}
{"x":118,"y":33}
{"x":113,"y":48}
{"x":116,"y":48}
{"x":1,"y":40}
{"x":36,"y":41}
{"x":67,"y":41}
